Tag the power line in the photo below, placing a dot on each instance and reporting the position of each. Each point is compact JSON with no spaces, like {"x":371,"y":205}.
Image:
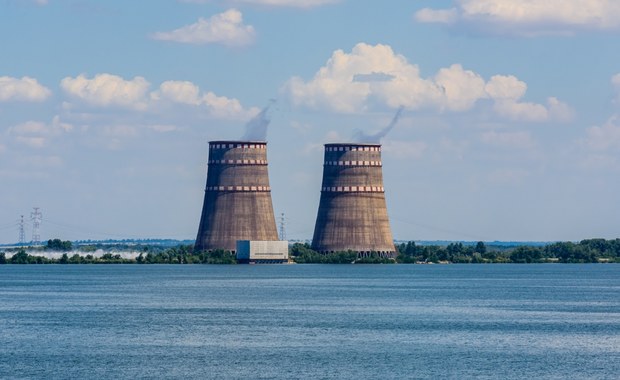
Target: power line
{"x":36,"y":216}
{"x":22,"y":232}
{"x":282,"y":227}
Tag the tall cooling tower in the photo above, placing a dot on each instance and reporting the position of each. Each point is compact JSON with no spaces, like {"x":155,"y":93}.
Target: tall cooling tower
{"x":237,"y":203}
{"x":352,"y":212}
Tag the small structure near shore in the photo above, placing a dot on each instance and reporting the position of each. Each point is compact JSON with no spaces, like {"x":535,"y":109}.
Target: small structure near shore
{"x":262,"y":252}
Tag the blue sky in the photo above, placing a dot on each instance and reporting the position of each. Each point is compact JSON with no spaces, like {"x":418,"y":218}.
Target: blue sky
{"x":509,"y":129}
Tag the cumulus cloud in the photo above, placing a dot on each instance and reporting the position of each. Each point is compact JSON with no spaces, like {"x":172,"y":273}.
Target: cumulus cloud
{"x":370,"y":75}
{"x":225,"y":28}
{"x":36,"y":134}
{"x":601,"y":146}
{"x":107,"y":90}
{"x":605,"y":137}
{"x":25,"y":89}
{"x":184,"y":92}
{"x":528,"y":17}
{"x":507,"y":90}
{"x":446,"y":16}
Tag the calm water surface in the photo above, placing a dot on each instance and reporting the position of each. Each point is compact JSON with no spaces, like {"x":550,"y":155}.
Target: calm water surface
{"x":310,"y":321}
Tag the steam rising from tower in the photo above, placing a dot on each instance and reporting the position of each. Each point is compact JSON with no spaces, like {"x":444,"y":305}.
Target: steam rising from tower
{"x":376,"y":138}
{"x":352,"y":211}
{"x":237,"y":203}
{"x":256,"y":128}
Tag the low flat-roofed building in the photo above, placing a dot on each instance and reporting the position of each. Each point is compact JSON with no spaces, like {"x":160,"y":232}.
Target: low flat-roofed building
{"x":262,"y":252}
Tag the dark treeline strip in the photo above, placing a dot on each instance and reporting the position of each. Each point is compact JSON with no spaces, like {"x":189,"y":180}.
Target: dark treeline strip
{"x":586,"y":251}
{"x":182,"y":254}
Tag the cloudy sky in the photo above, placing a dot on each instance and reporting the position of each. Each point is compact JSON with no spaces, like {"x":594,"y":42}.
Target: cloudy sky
{"x":509,"y":128}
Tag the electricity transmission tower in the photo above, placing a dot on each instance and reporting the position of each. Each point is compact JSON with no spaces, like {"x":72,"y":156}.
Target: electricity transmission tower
{"x":36,"y":216}
{"x":282,"y":229}
{"x":22,"y":232}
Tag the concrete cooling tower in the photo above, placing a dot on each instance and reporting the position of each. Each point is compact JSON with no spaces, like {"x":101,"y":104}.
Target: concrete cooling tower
{"x":237,"y":203}
{"x":352,"y":212}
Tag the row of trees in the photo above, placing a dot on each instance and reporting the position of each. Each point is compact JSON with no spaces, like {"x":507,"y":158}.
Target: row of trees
{"x":586,"y":251}
{"x":182,"y":254}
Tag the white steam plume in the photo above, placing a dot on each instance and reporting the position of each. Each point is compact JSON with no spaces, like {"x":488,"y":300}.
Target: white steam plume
{"x":256,"y":128}
{"x":361,"y":137}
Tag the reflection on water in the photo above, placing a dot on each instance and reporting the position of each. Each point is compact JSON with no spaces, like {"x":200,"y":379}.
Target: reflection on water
{"x":310,"y":321}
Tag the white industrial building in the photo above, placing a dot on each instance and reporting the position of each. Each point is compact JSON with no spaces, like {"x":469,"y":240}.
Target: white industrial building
{"x":262,"y":252}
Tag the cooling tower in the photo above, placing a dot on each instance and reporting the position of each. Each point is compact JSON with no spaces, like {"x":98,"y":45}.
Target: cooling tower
{"x":352,"y":212}
{"x":237,"y":203}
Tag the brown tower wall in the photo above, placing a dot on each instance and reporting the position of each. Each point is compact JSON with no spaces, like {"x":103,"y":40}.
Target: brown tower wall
{"x":237,"y":203}
{"x":352,"y":211}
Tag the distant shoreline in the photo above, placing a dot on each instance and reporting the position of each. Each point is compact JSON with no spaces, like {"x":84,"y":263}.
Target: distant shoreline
{"x":56,"y":251}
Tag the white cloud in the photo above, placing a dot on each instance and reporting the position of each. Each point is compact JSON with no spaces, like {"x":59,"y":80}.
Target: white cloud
{"x":275,"y":3}
{"x":35,"y":142}
{"x":225,"y":28}
{"x":36,"y":134}
{"x":601,"y":147}
{"x":24,"y":89}
{"x":107,"y":90}
{"x":505,"y":87}
{"x":603,"y":138}
{"x":521,"y":111}
{"x":226,"y":108}
{"x":370,"y":75}
{"x":528,"y":17}
{"x":184,"y":92}
{"x":446,"y":16}
{"x":519,"y":140}
{"x":507,"y":90}
{"x":460,"y":88}
{"x":29,"y":127}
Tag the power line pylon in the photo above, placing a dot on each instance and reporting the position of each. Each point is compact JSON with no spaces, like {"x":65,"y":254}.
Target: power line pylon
{"x":22,"y":232}
{"x":282,"y":227}
{"x":36,"y":216}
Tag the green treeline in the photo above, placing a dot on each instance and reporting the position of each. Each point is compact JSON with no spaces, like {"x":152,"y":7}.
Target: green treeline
{"x":303,"y":254}
{"x":183,"y":254}
{"x":586,"y":251}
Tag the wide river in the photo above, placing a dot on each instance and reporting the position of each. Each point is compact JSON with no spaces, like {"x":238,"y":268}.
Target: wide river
{"x":541,"y":321}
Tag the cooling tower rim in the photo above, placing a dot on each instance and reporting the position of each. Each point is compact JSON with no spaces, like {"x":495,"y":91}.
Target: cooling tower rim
{"x":237,"y":142}
{"x":352,"y":144}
